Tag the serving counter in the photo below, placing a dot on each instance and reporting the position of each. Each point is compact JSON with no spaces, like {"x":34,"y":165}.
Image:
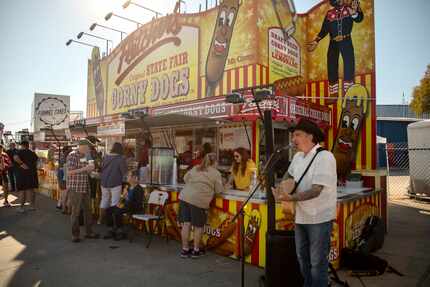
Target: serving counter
{"x":222,"y":236}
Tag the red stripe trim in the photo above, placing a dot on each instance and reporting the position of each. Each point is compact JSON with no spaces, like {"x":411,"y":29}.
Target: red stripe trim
{"x":237,"y":78}
{"x":317,"y":93}
{"x":261,"y":75}
{"x":238,"y":205}
{"x":245,"y":76}
{"x":267,"y":75}
{"x":225,"y":205}
{"x":309,"y":94}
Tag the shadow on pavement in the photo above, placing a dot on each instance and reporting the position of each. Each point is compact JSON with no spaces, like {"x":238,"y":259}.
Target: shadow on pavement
{"x":36,"y":250}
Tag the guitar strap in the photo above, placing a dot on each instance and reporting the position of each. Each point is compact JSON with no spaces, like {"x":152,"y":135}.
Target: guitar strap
{"x":306,"y":170}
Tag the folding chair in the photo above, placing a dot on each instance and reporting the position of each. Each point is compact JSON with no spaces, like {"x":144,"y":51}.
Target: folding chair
{"x":156,"y":202}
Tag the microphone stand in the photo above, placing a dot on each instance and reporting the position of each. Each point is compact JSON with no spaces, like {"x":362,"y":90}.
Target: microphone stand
{"x":273,"y":159}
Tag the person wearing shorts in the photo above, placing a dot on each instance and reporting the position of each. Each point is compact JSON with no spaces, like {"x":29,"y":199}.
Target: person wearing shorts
{"x":113,"y":173}
{"x":201,"y":183}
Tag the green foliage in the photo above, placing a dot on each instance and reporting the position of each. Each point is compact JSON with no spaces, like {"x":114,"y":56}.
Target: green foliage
{"x":421,"y":95}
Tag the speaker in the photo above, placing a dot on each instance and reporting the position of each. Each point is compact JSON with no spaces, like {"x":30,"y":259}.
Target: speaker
{"x":282,"y":267}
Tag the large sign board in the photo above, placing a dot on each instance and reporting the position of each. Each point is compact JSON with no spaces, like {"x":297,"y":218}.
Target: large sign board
{"x":50,"y":111}
{"x":181,"y":58}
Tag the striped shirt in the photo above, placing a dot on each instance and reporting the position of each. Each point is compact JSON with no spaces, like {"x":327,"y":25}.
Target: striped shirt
{"x":77,"y":182}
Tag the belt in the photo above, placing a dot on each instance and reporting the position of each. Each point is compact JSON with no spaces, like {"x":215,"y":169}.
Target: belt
{"x":340,"y":38}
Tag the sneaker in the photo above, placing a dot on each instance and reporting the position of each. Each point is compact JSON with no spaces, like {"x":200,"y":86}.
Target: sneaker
{"x":21,"y":210}
{"x":6,"y":204}
{"x":185,"y":253}
{"x":197,"y":253}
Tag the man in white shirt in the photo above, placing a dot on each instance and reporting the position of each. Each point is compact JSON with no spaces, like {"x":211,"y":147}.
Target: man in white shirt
{"x":315,"y":200}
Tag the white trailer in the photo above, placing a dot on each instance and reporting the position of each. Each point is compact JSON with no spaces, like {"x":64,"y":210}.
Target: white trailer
{"x":419,"y":158}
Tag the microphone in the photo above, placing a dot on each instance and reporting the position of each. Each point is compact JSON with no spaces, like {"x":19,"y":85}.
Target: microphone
{"x":285,"y":148}
{"x":277,"y":155}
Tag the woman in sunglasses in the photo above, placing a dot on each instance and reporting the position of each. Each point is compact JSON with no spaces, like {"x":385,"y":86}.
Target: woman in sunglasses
{"x":242,"y":170}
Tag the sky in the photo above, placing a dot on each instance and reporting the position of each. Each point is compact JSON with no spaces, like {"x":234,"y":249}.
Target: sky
{"x":34,"y":57}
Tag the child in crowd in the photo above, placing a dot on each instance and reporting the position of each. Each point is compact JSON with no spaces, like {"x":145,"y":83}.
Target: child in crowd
{"x":131,"y":202}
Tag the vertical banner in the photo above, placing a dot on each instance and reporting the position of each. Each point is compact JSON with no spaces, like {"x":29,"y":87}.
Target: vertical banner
{"x":97,"y":80}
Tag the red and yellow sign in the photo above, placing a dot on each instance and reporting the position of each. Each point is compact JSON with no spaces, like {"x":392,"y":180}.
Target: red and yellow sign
{"x":155,"y":72}
{"x":239,"y":44}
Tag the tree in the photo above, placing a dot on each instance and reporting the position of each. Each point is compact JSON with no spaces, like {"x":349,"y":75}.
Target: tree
{"x":421,"y":95}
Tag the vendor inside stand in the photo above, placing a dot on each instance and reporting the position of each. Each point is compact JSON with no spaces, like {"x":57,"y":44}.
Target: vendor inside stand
{"x":200,"y":153}
{"x":243,"y":170}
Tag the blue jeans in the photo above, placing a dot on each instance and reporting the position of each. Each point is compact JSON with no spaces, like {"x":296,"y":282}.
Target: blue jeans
{"x":312,"y":248}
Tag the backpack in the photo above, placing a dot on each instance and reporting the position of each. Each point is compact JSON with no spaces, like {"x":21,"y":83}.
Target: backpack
{"x":361,"y":264}
{"x":372,"y":236}
{"x":359,"y":260}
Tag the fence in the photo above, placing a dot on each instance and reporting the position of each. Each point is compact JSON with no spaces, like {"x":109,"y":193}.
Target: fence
{"x":408,"y":174}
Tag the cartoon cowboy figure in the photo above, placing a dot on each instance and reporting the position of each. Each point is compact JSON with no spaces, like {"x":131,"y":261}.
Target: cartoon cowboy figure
{"x":338,"y":23}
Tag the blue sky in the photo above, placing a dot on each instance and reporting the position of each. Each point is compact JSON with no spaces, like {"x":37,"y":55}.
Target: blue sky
{"x":34,"y":57}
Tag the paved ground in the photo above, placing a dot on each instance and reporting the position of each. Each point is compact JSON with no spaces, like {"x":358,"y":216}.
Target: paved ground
{"x":406,"y":247}
{"x":35,"y":250}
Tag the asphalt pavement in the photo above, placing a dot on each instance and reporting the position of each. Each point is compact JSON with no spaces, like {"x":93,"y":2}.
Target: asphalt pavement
{"x":36,"y":250}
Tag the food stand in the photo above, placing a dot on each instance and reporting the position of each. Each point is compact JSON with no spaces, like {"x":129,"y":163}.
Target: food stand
{"x":169,"y":88}
{"x":47,"y":145}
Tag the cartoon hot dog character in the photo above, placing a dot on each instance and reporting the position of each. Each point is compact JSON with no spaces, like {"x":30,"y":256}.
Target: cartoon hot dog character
{"x":220,"y":45}
{"x":251,"y":232}
{"x":354,"y":110}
